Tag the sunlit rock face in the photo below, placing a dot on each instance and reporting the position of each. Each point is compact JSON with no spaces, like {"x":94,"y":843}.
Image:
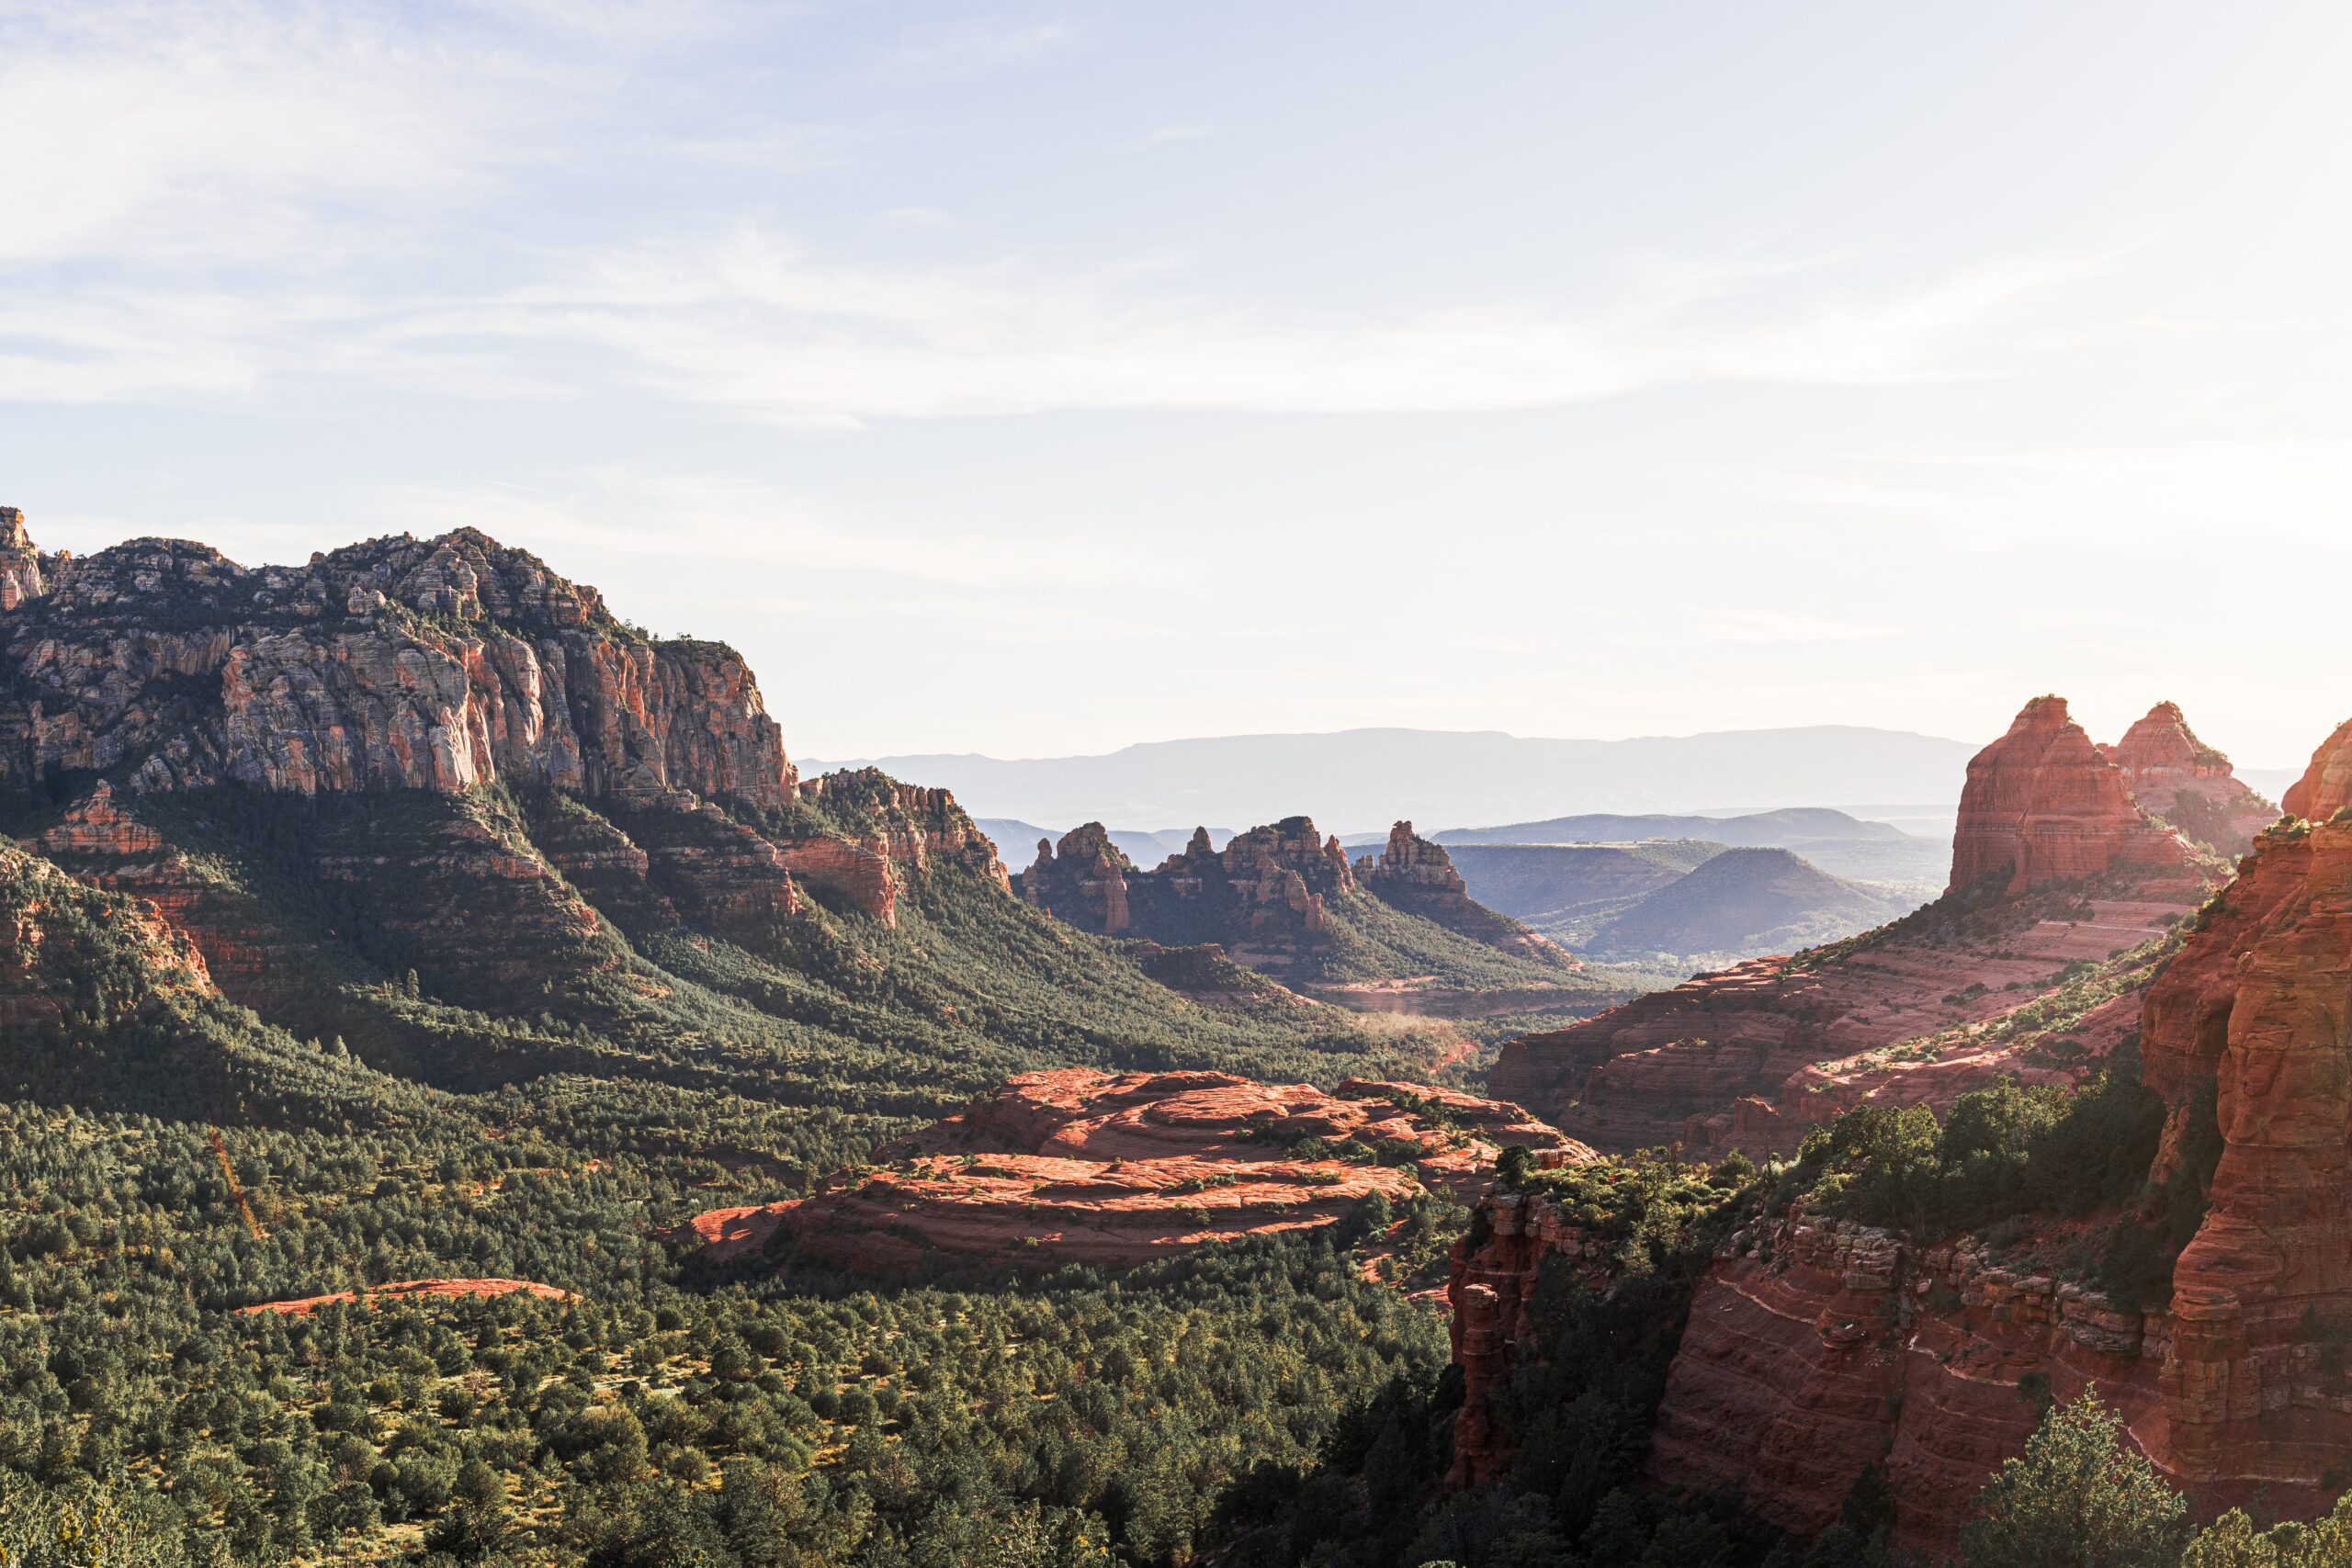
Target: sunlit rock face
{"x":401,"y":663}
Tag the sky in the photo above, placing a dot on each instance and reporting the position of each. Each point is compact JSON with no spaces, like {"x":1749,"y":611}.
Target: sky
{"x":1032,"y":380}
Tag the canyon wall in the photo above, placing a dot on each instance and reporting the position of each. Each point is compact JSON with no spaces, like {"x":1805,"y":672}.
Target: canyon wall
{"x":1816,"y":1347}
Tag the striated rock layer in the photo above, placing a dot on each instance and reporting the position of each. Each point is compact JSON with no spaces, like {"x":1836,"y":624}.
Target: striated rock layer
{"x":1077,"y":1165}
{"x":1261,"y":897}
{"x":1814,"y":1349}
{"x":2255,"y":1021}
{"x":2056,"y":870}
{"x":2042,"y":805}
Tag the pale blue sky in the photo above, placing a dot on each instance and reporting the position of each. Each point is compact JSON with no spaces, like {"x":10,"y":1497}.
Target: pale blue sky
{"x":1036,"y":379}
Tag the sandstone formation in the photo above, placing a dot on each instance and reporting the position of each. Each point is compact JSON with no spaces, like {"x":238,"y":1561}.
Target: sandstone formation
{"x":2056,"y":872}
{"x":1077,"y":1165}
{"x":400,"y":663}
{"x":1397,"y":933}
{"x":1418,"y":877}
{"x":44,"y":970}
{"x":20,"y":573}
{"x":379,"y":691}
{"x":2251,"y":1025}
{"x":1816,"y":1348}
{"x":2042,"y":805}
{"x":2188,"y":784}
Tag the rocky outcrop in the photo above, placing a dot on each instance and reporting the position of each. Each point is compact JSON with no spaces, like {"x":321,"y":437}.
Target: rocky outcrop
{"x":408,"y":1290}
{"x":2056,"y":870}
{"x":2189,"y":783}
{"x":1814,"y":1349}
{"x":1283,"y":900}
{"x":1262,"y":897}
{"x":50,"y":931}
{"x":2042,"y":805}
{"x":253,"y":959}
{"x":396,"y":664}
{"x":1418,"y":877}
{"x":2252,"y":1020}
{"x":1077,"y":1165}
{"x":20,"y":570}
{"x":1083,"y":881}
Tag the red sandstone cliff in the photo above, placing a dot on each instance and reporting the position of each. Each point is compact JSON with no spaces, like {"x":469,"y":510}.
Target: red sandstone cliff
{"x":1814,"y":1349}
{"x":2256,"y":1008}
{"x":2043,"y":805}
{"x":2189,"y":783}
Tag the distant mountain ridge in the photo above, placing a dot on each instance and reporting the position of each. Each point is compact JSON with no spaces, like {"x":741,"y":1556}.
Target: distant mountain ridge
{"x":1785,"y":827}
{"x":1363,"y":779}
{"x":1744,"y":903}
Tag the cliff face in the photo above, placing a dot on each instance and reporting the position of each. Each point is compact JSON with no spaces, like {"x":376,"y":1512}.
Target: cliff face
{"x":2043,"y":805}
{"x":2055,"y":867}
{"x":343,"y":716}
{"x":1815,"y":1348}
{"x":2256,"y":1008}
{"x":1262,"y":895}
{"x":20,"y":571}
{"x":2189,"y":783}
{"x":396,"y":664}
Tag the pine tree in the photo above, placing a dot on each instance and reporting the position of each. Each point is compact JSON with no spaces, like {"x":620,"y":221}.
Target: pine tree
{"x":2078,"y":1497}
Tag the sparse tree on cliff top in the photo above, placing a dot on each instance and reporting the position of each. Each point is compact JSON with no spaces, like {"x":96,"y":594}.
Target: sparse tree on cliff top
{"x":2078,"y":1497}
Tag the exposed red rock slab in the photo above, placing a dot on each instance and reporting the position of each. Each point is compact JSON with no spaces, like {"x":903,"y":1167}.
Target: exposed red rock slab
{"x":1114,"y":1169}
{"x":1036,"y":1212}
{"x":724,"y":1235}
{"x":410,"y":1290}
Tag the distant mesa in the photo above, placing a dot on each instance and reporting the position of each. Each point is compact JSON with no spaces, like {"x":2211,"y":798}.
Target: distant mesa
{"x":1364,"y":778}
{"x":1791,"y":826}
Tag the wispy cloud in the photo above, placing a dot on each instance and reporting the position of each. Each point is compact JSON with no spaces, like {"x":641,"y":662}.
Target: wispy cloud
{"x":229,"y":199}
